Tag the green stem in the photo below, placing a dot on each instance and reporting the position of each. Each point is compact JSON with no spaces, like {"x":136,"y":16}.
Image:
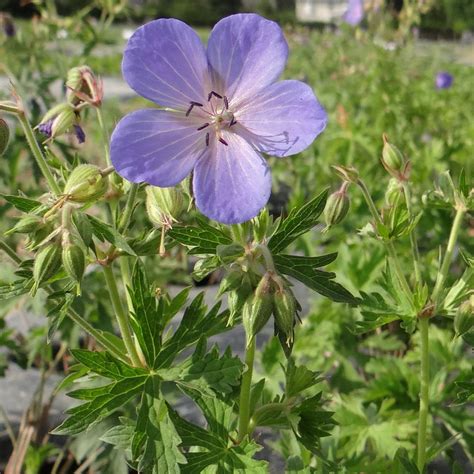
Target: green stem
{"x":10,"y":252}
{"x":121,"y":316}
{"x":388,"y":244}
{"x":267,"y":256}
{"x":105,"y":135}
{"x":448,"y":256}
{"x":124,"y":221}
{"x":37,"y":153}
{"x":423,"y":324}
{"x":413,"y":242}
{"x":244,"y":409}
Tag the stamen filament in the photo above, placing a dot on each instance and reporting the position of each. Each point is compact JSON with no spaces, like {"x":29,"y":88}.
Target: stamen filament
{"x":207,"y":139}
{"x":223,"y":141}
{"x":202,"y":127}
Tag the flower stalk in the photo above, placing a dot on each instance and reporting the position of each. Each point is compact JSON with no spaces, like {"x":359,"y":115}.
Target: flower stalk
{"x":121,"y":316}
{"x":423,"y":326}
{"x":244,"y":405}
{"x":388,"y":244}
{"x":413,"y":241}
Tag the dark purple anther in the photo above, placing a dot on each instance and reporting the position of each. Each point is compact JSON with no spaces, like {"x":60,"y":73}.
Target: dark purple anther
{"x":46,"y":128}
{"x":226,"y":103}
{"x":202,"y":127}
{"x":207,"y":139}
{"x":223,"y":141}
{"x":80,"y":135}
{"x":193,"y":104}
{"x":232,"y":122}
{"x":213,"y":93}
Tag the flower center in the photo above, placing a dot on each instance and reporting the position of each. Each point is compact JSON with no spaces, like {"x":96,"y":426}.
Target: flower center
{"x":220,"y":116}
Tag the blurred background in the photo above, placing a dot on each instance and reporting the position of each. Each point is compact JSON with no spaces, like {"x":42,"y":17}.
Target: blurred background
{"x":400,"y":67}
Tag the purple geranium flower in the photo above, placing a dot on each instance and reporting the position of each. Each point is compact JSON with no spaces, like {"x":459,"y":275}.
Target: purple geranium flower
{"x":354,"y":13}
{"x":223,"y":109}
{"x":444,"y":80}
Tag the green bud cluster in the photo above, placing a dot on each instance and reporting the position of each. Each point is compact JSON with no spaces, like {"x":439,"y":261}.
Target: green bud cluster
{"x":4,"y":136}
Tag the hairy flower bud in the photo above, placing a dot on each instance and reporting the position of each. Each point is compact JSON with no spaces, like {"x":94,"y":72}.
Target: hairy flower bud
{"x":4,"y":136}
{"x":164,"y":205}
{"x":85,"y":183}
{"x":337,"y":206}
{"x":284,"y":310}
{"x":58,"y":120}
{"x":464,"y":319}
{"x":83,"y":86}
{"x":74,"y":262}
{"x":259,"y":307}
{"x":394,"y":161}
{"x":26,"y":225}
{"x":393,"y":193}
{"x":347,"y":173}
{"x":230,"y":282}
{"x":47,"y":263}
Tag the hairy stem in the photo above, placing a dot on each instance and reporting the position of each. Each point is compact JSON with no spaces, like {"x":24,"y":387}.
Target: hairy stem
{"x":413,"y":241}
{"x":448,"y":256}
{"x":423,"y":325}
{"x":38,"y":154}
{"x":388,"y":244}
{"x":105,"y":135}
{"x":244,"y":409}
{"x":121,"y":316}
{"x":124,"y":221}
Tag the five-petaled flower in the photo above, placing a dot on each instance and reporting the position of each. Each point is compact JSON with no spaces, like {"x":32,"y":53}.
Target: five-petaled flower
{"x":222,"y":108}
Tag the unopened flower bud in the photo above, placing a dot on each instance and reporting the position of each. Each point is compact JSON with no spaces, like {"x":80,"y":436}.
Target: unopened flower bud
{"x":164,"y":205}
{"x":393,"y":193}
{"x":337,"y":206}
{"x":47,"y":263}
{"x":259,"y":307}
{"x":85,"y":183}
{"x":230,"y":282}
{"x":57,"y":121}
{"x":4,"y":136}
{"x":464,"y":319}
{"x":84,"y":86}
{"x":26,"y":225}
{"x":394,"y":161}
{"x":347,"y":173}
{"x":74,"y":262}
{"x":284,"y":305}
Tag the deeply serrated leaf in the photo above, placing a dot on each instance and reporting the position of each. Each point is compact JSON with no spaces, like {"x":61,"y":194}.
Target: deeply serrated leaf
{"x":299,"y":221}
{"x":201,"y":240}
{"x":305,"y":270}
{"x":105,"y":232}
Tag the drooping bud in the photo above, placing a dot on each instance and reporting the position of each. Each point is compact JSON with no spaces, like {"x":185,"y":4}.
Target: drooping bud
{"x":74,"y":262}
{"x":164,"y":205}
{"x":337,"y":206}
{"x":347,"y":173}
{"x":284,"y":310}
{"x":4,"y":136}
{"x":464,"y":319}
{"x":47,"y":263}
{"x":85,"y":183}
{"x":394,"y":161}
{"x":259,"y":307}
{"x":84,"y":86}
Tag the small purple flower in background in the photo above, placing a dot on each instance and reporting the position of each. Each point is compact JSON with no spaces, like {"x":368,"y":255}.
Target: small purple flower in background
{"x":354,"y":13}
{"x":444,"y":80}
{"x":224,"y":109}
{"x":8,"y":26}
